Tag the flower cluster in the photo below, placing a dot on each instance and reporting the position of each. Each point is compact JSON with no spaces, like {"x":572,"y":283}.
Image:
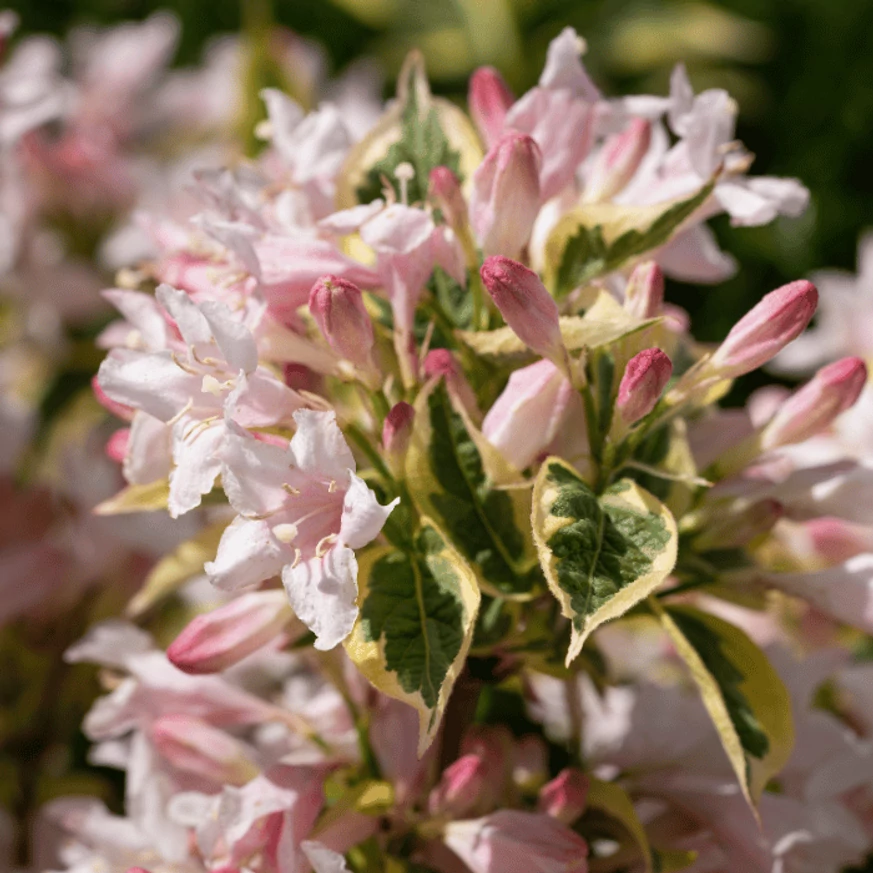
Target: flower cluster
{"x":434,"y":549}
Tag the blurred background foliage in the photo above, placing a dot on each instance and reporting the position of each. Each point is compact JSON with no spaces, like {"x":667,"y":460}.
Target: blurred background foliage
{"x":801,"y":70}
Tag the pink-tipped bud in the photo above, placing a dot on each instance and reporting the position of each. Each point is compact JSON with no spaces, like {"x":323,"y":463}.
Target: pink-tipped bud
{"x":196,"y":747}
{"x":506,"y":195}
{"x":618,"y":160}
{"x":396,"y":433}
{"x":442,"y":363}
{"x":813,"y":408}
{"x":644,"y":294}
{"x":444,"y":190}
{"x":525,"y":305}
{"x":564,"y":797}
{"x":125,"y":413}
{"x":766,"y":329}
{"x":645,"y":377}
{"x":489,"y":100}
{"x":116,"y":445}
{"x":459,"y":789}
{"x":732,"y":529}
{"x":337,"y":306}
{"x":219,"y":639}
{"x":836,"y":540}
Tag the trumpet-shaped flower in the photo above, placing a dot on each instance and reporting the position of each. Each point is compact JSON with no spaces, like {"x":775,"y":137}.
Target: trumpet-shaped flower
{"x":302,"y":512}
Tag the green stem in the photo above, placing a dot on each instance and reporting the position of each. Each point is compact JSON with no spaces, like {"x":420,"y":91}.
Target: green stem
{"x":362,"y":441}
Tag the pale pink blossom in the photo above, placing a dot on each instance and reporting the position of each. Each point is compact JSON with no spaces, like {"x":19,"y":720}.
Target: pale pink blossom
{"x":302,"y":512}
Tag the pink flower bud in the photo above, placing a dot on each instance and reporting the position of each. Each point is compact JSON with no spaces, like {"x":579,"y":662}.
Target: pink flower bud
{"x":765,"y":330}
{"x":219,"y":639}
{"x":397,"y":429}
{"x":512,"y":841}
{"x":444,"y":190}
{"x":506,"y":195}
{"x":836,"y":540}
{"x":644,"y":379}
{"x":337,"y":306}
{"x":618,"y":160}
{"x":197,"y":747}
{"x":525,"y":305}
{"x":441,"y":362}
{"x":644,"y":294}
{"x":489,"y":100}
{"x":125,"y":413}
{"x":564,"y":797}
{"x":459,"y":789}
{"x":116,"y":445}
{"x":813,"y":408}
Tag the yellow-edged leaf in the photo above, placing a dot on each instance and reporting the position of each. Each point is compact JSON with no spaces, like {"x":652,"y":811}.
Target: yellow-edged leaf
{"x":417,"y":615}
{"x":743,"y":694}
{"x":612,"y":799}
{"x":600,"y":555}
{"x":137,"y":498}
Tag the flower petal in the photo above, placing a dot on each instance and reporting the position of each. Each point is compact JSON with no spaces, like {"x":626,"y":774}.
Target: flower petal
{"x":363,"y":515}
{"x":319,"y":447}
{"x":323,"y":594}
{"x":247,"y":554}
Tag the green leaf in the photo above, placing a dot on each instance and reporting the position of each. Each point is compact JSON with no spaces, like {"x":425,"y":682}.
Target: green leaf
{"x":420,"y":130}
{"x":672,"y":860}
{"x":453,"y":474}
{"x":612,"y":799}
{"x":601,"y":555}
{"x":596,"y":239}
{"x":745,"y":697}
{"x":418,"y":612}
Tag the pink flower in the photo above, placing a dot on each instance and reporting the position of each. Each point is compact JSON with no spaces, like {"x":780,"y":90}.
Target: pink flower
{"x":526,"y":306}
{"x":190,"y":382}
{"x":216,"y":640}
{"x":337,"y":306}
{"x":617,"y":161}
{"x":644,"y":293}
{"x":528,"y":414}
{"x":766,"y":329}
{"x":645,"y":378}
{"x":506,"y":195}
{"x":510,"y":841}
{"x":813,"y":408}
{"x":490,"y":99}
{"x":564,"y":797}
{"x":302,"y":512}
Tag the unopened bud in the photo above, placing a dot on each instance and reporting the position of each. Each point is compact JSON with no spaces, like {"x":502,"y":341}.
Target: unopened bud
{"x":645,"y":378}
{"x":441,"y":362}
{"x":196,"y":747}
{"x":813,"y":408}
{"x":218,"y":639}
{"x":644,"y":294}
{"x":506,"y":195}
{"x":396,"y":433}
{"x":564,"y":797}
{"x":489,"y":101}
{"x":116,"y":445}
{"x":459,"y":791}
{"x":526,"y":306}
{"x":444,"y":190}
{"x":732,"y":529}
{"x":764,"y":331}
{"x":617,"y":161}
{"x":337,"y":306}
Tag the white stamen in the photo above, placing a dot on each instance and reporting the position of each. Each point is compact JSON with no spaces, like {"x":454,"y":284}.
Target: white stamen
{"x":324,"y":544}
{"x":404,"y":173}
